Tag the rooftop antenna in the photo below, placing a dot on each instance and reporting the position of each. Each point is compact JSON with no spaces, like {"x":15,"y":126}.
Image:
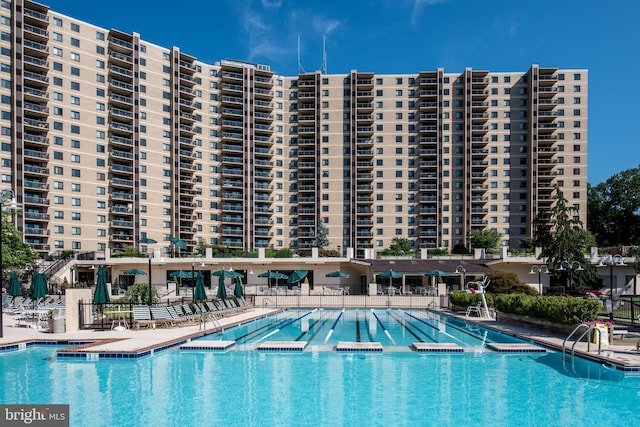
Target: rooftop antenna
{"x":300,"y":69}
{"x":324,"y":54}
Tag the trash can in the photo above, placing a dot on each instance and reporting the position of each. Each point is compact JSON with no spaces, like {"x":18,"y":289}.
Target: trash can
{"x":57,"y":322}
{"x":600,"y":331}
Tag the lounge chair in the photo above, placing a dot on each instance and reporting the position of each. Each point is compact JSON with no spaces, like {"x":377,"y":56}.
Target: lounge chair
{"x":190,"y":314}
{"x":475,"y":310}
{"x":142,"y":317}
{"x":163,"y":317}
{"x":178,"y":316}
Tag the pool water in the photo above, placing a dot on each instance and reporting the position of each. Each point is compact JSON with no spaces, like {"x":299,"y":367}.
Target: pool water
{"x":389,"y":327}
{"x":324,"y":388}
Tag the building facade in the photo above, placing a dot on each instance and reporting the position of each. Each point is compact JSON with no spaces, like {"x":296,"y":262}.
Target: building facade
{"x":107,"y":139}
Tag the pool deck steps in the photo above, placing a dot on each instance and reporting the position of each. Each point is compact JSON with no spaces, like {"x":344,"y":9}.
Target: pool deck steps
{"x":282,"y":346}
{"x":515,"y":348}
{"x":432,"y":347}
{"x":207,"y":345}
{"x":358,"y":346}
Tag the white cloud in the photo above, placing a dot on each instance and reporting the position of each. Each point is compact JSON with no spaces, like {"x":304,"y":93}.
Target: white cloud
{"x":419,"y":5}
{"x":271,"y":3}
{"x":324,"y":25}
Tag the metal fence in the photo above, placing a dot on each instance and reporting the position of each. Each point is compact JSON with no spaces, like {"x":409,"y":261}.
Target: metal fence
{"x":110,"y":315}
{"x":627,"y":310}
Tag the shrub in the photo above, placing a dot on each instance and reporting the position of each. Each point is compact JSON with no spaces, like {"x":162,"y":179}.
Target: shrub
{"x":139,"y":294}
{"x":507,"y":282}
{"x":465,"y":299}
{"x":563,"y":310}
{"x":557,"y":309}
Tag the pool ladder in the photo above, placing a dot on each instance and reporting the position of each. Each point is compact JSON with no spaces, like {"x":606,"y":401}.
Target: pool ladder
{"x":214,"y":322}
{"x":588,"y":329}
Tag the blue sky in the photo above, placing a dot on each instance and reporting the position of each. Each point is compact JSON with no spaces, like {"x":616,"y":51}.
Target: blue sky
{"x":408,"y":36}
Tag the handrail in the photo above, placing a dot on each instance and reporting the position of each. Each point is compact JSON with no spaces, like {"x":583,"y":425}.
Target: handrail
{"x":214,"y":322}
{"x":268,"y":300}
{"x":573,"y":347}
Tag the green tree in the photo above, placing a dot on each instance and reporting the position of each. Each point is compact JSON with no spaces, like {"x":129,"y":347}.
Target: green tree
{"x":399,"y":246}
{"x":614,"y":209}
{"x":486,"y":239}
{"x":563,"y":239}
{"x":507,"y":282}
{"x":321,"y":239}
{"x":15,"y":253}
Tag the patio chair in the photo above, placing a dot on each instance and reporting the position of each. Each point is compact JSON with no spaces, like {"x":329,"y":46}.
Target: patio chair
{"x":142,"y":317}
{"x":180,"y":317}
{"x":475,"y":310}
{"x":162,"y":316}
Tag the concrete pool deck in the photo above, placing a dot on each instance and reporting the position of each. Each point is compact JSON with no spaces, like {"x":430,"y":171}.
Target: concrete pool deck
{"x":622,"y":352}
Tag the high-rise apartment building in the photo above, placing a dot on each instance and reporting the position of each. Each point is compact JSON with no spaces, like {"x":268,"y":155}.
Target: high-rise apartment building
{"x":107,"y":139}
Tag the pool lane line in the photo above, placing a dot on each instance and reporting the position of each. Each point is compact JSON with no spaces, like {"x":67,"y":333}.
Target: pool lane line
{"x":268,"y":326}
{"x":404,"y":325}
{"x":333,"y":327}
{"x":286,"y":324}
{"x":312,"y":326}
{"x":357,"y":325}
{"x":382,"y":326}
{"x":434,"y":327}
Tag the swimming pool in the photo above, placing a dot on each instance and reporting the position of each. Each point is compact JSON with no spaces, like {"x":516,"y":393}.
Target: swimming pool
{"x":324,"y":329}
{"x":323,"y":388}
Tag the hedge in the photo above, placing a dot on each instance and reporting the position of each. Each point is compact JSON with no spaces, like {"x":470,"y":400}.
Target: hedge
{"x":563,"y":310}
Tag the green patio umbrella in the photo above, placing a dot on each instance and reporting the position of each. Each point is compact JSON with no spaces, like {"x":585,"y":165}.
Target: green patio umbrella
{"x":101,"y":296}
{"x":133,"y":272}
{"x":273,"y":275}
{"x":199,"y":293}
{"x":147,"y":241}
{"x":338,"y":273}
{"x":238,"y":289}
{"x":297,"y":276}
{"x":226,"y":273}
{"x":222,"y":291}
{"x":437,"y":274}
{"x":180,"y":274}
{"x":390,"y":274}
{"x":178,"y":242}
{"x":38,"y":288}
{"x":14,"y":285}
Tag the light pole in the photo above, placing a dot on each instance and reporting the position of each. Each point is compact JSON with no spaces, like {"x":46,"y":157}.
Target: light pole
{"x":193,"y":279}
{"x":611,"y":260}
{"x":570,"y":266}
{"x":539,"y":269}
{"x":147,"y":240}
{"x":150,"y":285}
{"x":5,"y":196}
{"x":461,"y":269}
